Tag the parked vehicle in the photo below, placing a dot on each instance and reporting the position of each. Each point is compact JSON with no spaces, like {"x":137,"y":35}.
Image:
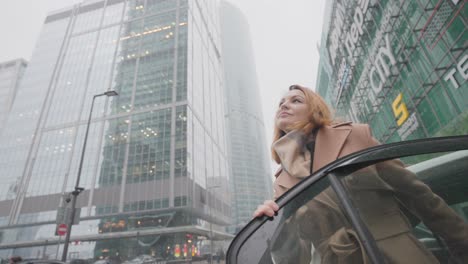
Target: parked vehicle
{"x":41,"y":261}
{"x":78,"y":261}
{"x":141,"y":259}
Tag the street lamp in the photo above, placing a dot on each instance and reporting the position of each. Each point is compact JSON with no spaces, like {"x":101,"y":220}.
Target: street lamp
{"x":211,"y":221}
{"x":79,"y":189}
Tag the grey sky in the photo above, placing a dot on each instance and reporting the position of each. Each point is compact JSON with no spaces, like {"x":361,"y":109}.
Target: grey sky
{"x":285,"y":37}
{"x":20,"y":25}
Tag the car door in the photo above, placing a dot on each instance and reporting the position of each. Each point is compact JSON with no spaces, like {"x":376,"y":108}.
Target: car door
{"x":405,"y":202}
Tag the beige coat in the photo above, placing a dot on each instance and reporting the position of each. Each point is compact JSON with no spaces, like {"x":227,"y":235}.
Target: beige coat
{"x":379,"y":191}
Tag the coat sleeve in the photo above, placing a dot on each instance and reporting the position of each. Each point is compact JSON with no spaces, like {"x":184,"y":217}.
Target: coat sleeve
{"x":419,"y":199}
{"x":428,"y":206}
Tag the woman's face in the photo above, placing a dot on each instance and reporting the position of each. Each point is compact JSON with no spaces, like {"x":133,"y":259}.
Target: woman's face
{"x":293,"y":108}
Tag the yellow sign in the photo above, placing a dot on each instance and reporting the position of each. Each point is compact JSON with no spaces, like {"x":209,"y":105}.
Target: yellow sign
{"x":399,"y":109}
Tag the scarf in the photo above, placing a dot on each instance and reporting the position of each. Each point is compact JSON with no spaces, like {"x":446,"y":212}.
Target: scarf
{"x":294,"y":150}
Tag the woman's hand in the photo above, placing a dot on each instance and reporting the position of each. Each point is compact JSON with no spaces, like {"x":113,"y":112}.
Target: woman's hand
{"x":268,"y":208}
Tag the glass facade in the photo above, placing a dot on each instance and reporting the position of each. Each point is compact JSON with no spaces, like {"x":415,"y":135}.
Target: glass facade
{"x":154,"y":153}
{"x":251,"y":182}
{"x":400,"y":66}
{"x":11,"y":73}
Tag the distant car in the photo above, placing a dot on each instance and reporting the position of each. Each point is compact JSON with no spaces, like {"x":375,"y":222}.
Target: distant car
{"x":441,"y":163}
{"x":41,"y":261}
{"x":141,"y":259}
{"x":78,"y":261}
{"x":102,"y":261}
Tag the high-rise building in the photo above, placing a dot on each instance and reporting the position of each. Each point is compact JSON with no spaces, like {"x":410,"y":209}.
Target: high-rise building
{"x":251,"y":174}
{"x":400,"y":66}
{"x":324,"y":68}
{"x":11,"y":73}
{"x":155,"y":170}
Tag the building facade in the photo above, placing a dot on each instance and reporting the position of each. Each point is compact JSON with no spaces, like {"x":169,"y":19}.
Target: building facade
{"x":400,"y":66}
{"x":155,"y":152}
{"x":11,"y":73}
{"x":251,"y":181}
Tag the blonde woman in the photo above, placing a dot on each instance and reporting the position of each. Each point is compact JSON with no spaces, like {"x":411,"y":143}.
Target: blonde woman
{"x":305,"y":140}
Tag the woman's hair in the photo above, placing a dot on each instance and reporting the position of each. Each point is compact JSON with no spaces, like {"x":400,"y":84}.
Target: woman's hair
{"x":319,"y":115}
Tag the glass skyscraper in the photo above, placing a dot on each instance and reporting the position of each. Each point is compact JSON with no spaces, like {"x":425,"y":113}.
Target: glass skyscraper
{"x":400,"y":66}
{"x":11,"y":73}
{"x":251,"y":174}
{"x":155,"y":152}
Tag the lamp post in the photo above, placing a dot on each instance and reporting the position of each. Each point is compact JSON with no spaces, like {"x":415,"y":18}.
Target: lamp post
{"x":79,"y":189}
{"x":211,"y":221}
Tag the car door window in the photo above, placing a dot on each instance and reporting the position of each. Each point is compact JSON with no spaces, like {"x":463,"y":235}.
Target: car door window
{"x":416,"y":213}
{"x":287,"y":238}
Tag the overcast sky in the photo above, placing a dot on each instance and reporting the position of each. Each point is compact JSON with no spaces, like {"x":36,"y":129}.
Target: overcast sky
{"x":285,"y":37}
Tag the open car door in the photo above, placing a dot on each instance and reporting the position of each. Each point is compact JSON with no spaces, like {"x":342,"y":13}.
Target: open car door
{"x":404,"y":202}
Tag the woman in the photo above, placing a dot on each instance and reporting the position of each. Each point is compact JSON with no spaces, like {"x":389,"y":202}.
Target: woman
{"x":305,"y":140}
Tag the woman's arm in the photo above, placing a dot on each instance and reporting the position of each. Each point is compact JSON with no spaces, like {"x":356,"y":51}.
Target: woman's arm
{"x":428,"y":206}
{"x":419,"y":199}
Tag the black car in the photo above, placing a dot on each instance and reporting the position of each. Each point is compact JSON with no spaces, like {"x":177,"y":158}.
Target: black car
{"x":438,"y":163}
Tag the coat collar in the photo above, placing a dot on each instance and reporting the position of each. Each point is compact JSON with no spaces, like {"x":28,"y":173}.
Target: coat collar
{"x":329,"y":142}
{"x":295,"y":158}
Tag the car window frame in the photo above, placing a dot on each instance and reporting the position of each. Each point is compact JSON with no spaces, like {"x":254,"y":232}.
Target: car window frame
{"x":352,"y":162}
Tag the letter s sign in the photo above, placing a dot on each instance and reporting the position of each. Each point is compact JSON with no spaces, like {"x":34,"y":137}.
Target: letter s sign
{"x":399,"y":109}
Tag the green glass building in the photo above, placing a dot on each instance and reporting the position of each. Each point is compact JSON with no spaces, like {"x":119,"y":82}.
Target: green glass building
{"x":155,"y":152}
{"x":400,"y":66}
